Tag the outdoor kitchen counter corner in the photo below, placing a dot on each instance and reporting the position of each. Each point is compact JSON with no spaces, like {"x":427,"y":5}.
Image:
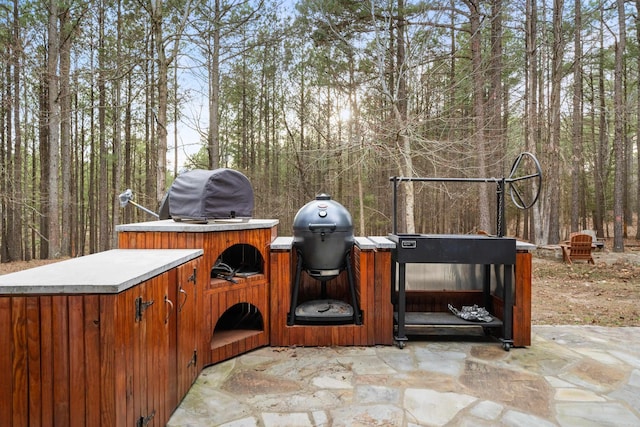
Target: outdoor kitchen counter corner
{"x":104,"y":272}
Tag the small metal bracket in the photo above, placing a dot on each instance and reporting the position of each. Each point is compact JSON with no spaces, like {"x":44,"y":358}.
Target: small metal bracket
{"x":143,"y":421}
{"x":192,"y":278}
{"x":194,"y":359}
{"x":141,"y":306}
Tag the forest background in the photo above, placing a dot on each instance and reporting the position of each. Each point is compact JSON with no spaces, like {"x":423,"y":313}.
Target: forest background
{"x":310,"y":96}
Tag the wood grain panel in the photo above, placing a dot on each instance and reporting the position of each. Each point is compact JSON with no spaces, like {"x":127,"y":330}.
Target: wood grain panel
{"x":33,"y":360}
{"x":93,"y":386}
{"x":522,"y":301}
{"x":61,"y":374}
{"x":224,"y":298}
{"x":108,"y":309}
{"x":6,"y":361}
{"x":77,"y":368}
{"x":383,"y":308}
{"x":78,"y":360}
{"x":19,"y":368}
{"x":187,"y":335}
{"x":437,"y":301}
{"x":282,"y":266}
{"x":46,"y":362}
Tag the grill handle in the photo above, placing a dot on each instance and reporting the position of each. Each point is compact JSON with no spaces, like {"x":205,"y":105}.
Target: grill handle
{"x":323,"y":228}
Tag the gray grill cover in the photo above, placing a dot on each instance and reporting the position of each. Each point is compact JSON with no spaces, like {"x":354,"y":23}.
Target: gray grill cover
{"x":200,"y":195}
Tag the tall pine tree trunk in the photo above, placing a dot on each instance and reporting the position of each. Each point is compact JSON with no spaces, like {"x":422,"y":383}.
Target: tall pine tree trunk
{"x":213,"y":136}
{"x":479,"y":109}
{"x":163,"y":94}
{"x":576,"y":149}
{"x":638,"y":123}
{"x":53,"y":130}
{"x":531,"y":131}
{"x":601,"y":144}
{"x":65,"y":130}
{"x":555,"y":113}
{"x":401,"y":120}
{"x":102,"y":195}
{"x":619,"y":138}
{"x":14,"y":243}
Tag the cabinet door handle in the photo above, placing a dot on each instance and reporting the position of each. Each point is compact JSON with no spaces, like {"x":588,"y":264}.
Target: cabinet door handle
{"x":184,"y":299}
{"x":168,"y":301}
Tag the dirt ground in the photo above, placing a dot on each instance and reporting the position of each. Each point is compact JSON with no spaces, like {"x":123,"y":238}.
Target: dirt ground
{"x":605,"y":294}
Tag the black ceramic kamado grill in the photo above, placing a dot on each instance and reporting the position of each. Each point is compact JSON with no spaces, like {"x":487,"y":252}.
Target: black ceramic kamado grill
{"x":494,"y":253}
{"x":323,"y":239}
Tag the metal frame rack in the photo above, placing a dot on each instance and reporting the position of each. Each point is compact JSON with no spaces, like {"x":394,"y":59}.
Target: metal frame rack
{"x":464,"y":249}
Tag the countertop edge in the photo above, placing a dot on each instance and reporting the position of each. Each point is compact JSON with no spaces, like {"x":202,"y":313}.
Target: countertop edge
{"x":170,"y":225}
{"x":83,"y":275}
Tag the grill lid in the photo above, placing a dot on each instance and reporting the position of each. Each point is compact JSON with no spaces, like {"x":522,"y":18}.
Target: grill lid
{"x":201,"y":195}
{"x":322,"y":215}
{"x":323,"y":235}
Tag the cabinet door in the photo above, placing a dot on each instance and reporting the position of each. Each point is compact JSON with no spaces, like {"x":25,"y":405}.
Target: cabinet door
{"x":150,"y":380}
{"x":186,"y":327}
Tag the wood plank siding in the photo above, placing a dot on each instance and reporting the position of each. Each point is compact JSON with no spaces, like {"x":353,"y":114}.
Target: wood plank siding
{"x":79,"y":360}
{"x":216,"y":296}
{"x":370,"y":287}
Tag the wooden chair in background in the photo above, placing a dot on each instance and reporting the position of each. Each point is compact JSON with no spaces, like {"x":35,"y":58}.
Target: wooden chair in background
{"x":578,"y":248}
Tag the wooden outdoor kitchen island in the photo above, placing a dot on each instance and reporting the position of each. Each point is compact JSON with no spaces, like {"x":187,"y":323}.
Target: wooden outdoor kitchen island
{"x":117,"y":338}
{"x":233,"y":242}
{"x":101,"y":340}
{"x":269,"y":291}
{"x":371,"y":258}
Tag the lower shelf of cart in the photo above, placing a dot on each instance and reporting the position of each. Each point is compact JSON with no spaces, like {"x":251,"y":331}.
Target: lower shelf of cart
{"x":425,"y":319}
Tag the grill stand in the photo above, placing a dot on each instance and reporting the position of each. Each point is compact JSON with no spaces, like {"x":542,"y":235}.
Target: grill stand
{"x":487,"y":251}
{"x":354,"y":315}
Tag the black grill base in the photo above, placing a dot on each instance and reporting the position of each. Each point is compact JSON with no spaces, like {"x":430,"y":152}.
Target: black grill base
{"x":324,"y":311}
{"x":331,"y":315}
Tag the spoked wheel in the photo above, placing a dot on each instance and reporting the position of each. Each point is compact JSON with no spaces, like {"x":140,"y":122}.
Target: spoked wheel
{"x":526,"y":167}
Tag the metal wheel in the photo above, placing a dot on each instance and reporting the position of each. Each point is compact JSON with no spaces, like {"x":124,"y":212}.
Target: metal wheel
{"x":506,"y":346}
{"x":524,"y":168}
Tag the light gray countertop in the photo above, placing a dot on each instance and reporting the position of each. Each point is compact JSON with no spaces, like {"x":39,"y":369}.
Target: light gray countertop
{"x":106,"y":272}
{"x":170,"y":225}
{"x":365,"y":243}
{"x":377,"y":242}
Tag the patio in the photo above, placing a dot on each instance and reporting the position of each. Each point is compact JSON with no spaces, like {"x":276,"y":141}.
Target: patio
{"x":569,"y":376}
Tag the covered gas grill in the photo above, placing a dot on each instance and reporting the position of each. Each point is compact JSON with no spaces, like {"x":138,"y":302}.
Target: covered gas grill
{"x":323,"y":240}
{"x":495,"y":255}
{"x":209,"y":195}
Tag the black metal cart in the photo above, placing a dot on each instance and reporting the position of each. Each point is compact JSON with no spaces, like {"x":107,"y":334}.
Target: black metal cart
{"x":490,"y":252}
